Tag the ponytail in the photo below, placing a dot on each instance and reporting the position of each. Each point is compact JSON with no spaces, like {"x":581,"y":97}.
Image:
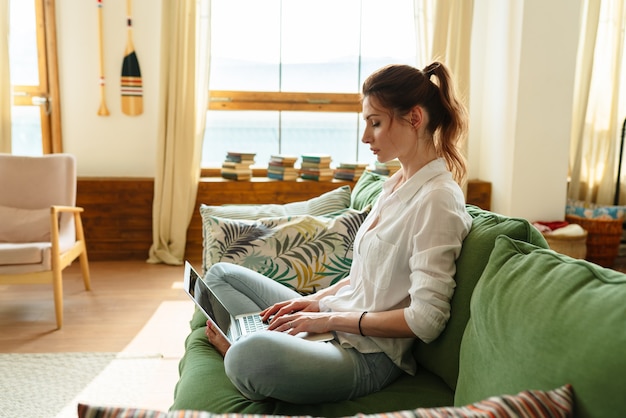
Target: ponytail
{"x":451,"y":120}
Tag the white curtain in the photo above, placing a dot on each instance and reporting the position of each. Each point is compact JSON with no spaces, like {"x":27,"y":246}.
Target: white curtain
{"x":5,"y":80}
{"x":444,"y":33}
{"x":596,"y":120}
{"x":452,"y":40}
{"x":184,"y":83}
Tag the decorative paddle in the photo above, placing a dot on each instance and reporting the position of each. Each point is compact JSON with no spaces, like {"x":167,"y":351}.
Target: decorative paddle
{"x":132,"y":88}
{"x":102,"y":111}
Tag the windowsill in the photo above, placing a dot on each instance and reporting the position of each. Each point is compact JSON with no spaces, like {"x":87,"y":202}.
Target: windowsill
{"x":215,"y":172}
{"x":220,"y":179}
{"x":259,"y":175}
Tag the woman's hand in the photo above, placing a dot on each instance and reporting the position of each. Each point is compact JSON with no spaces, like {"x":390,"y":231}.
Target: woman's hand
{"x":308,"y":303}
{"x":295,"y":323}
{"x":216,"y":338}
{"x":289,"y":307}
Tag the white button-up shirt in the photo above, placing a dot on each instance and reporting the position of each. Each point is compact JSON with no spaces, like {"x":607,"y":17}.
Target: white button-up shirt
{"x":404,"y":257}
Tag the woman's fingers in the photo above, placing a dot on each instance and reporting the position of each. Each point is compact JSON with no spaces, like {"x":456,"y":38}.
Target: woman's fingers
{"x":295,"y":323}
{"x":288,"y":308}
{"x":266,"y":313}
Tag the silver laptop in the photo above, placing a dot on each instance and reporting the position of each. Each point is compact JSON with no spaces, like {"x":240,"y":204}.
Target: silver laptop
{"x":232,"y":327}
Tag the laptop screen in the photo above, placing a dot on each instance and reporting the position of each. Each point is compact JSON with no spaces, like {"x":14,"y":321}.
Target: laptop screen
{"x":206,"y":300}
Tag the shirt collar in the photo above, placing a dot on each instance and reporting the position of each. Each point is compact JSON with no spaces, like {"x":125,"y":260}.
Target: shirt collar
{"x":416,"y":181}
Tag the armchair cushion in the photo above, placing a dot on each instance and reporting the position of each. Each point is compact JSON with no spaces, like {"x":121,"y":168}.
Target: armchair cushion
{"x":24,"y":225}
{"x":25,"y":257}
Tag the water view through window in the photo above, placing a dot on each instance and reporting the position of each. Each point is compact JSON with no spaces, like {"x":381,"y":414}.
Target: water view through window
{"x":321,"y":46}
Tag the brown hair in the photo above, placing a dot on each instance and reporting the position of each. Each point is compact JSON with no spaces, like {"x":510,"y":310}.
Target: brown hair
{"x":399,"y":88}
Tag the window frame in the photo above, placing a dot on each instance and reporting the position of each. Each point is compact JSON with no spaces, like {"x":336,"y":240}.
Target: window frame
{"x":284,"y":101}
{"x":290,"y":99}
{"x":234,"y":100}
{"x":48,"y":88}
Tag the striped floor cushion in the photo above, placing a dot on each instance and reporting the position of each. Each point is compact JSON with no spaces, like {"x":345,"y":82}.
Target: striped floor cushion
{"x":557,"y":403}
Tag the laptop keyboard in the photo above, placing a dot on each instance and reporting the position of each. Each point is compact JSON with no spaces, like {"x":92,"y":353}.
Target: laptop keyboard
{"x":254,"y":323}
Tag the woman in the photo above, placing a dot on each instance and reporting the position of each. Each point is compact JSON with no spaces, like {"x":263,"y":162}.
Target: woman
{"x":401,"y":280}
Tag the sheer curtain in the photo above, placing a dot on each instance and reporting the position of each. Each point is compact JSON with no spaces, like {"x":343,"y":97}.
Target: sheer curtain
{"x":452,"y":40}
{"x":184,"y":86}
{"x":444,"y":33}
{"x":5,"y":80}
{"x":595,"y":122}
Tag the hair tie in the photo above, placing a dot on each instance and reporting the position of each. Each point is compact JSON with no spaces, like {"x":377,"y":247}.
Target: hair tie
{"x":430,"y":71}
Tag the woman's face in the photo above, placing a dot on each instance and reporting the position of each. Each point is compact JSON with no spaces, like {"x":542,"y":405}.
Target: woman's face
{"x":388,"y":137}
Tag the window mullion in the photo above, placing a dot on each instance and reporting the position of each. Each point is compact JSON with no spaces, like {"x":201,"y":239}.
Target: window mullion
{"x":311,"y":102}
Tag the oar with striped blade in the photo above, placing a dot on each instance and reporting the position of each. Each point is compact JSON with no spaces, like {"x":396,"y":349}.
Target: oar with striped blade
{"x":132,"y":87}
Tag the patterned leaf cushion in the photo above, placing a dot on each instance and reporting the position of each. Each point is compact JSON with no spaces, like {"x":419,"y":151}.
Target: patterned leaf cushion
{"x":538,"y":404}
{"x":305,"y":252}
{"x":541,"y":319}
{"x":323,"y":204}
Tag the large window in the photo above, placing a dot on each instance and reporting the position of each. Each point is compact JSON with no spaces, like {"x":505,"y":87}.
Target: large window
{"x":286,"y":74}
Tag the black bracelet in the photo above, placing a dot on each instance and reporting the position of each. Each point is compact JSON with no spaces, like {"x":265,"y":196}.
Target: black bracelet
{"x":360,"y":319}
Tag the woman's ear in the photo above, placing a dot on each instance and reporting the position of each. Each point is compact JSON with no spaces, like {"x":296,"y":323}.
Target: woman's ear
{"x":417,"y":116}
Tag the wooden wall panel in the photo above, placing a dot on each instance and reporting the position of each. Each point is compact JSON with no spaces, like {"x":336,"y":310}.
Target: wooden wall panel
{"x":479,"y":193}
{"x":118,"y":211}
{"x":117,"y":218}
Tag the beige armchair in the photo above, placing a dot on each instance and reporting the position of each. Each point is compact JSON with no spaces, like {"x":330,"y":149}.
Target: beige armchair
{"x":41,"y":231}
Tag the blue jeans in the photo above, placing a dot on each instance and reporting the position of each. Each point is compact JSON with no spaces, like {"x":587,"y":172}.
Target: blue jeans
{"x":277,"y":365}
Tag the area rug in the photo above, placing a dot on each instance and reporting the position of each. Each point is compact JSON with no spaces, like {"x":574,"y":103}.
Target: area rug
{"x":142,"y":375}
{"x":40,"y":385}
{"x":130,"y":381}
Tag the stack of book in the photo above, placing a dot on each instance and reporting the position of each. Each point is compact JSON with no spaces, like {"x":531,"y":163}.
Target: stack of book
{"x":350,"y":171}
{"x":316,"y":167}
{"x":387,"y":168}
{"x":236,"y":166}
{"x":281,"y":167}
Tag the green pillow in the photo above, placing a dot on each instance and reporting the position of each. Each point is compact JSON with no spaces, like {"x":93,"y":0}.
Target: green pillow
{"x":367,"y":189}
{"x":540,"y":319}
{"x":442,"y":355}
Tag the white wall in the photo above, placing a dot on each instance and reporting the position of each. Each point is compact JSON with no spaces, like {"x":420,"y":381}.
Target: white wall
{"x":523,"y":56}
{"x":116,"y":145}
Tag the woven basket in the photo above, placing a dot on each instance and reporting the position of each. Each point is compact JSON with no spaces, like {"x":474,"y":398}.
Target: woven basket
{"x":603,"y":238}
{"x":574,"y":246}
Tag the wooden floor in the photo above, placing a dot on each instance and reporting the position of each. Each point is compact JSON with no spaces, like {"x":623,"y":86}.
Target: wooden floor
{"x":124,"y":295}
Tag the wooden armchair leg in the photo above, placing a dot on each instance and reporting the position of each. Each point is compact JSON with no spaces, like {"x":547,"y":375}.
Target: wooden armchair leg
{"x":84,"y":267}
{"x":57,"y":283}
{"x":84,"y":263}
